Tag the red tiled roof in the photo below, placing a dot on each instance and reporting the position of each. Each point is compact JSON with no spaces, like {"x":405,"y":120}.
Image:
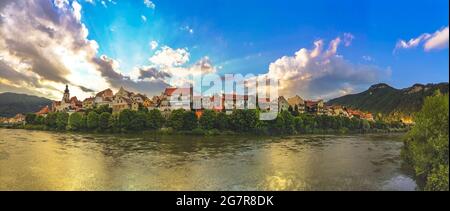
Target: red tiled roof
{"x":44,"y":110}
{"x":170,"y":91}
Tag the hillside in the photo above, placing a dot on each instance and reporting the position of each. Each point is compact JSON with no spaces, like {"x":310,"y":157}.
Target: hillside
{"x":12,"y":103}
{"x":384,"y":99}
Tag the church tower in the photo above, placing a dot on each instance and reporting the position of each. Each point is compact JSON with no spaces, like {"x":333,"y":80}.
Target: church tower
{"x":66,"y":97}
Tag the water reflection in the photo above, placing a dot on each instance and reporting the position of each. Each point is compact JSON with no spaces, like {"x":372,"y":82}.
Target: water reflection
{"x":33,"y":160}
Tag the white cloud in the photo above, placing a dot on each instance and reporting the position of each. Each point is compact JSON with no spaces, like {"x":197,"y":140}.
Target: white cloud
{"x":169,"y":57}
{"x":153,"y":45}
{"x":144,"y":18}
{"x":437,"y":40}
{"x":315,"y":74}
{"x":149,"y":4}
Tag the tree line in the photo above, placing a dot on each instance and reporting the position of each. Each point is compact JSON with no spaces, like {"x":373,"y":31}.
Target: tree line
{"x":102,"y":119}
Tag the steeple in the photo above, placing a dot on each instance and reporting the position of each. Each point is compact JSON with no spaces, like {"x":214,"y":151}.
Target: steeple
{"x":66,"y":97}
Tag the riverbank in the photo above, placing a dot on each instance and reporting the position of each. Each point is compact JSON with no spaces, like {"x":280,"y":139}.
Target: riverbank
{"x":213,"y":132}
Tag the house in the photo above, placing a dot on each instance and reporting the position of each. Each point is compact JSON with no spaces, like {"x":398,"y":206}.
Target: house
{"x":67,"y":104}
{"x":314,"y":107}
{"x":89,"y":103}
{"x":43,"y":112}
{"x":297,"y":103}
{"x":121,"y":103}
{"x":104,"y":97}
{"x":17,"y":120}
{"x":174,"y":98}
{"x":283,"y":104}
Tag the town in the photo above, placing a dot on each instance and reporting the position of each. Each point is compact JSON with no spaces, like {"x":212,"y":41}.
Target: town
{"x":185,"y":99}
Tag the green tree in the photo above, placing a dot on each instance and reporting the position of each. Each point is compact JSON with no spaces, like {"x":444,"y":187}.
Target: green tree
{"x":76,"y":122}
{"x":154,"y":120}
{"x":103,"y":121}
{"x":62,"y":120}
{"x":190,"y":120}
{"x":92,"y":120}
{"x":208,"y":120}
{"x":426,"y":144}
{"x":244,"y":120}
{"x":222,"y":121}
{"x":138,"y":121}
{"x":30,"y":118}
{"x":50,"y":120}
{"x":40,"y":120}
{"x":176,"y":119}
{"x":102,"y":109}
{"x":125,"y":118}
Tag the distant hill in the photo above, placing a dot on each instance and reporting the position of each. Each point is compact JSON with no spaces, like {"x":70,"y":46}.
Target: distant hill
{"x":384,"y":99}
{"x":12,"y":103}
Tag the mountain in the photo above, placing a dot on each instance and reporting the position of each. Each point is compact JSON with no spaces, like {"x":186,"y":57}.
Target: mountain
{"x":384,"y":99}
{"x":12,"y":104}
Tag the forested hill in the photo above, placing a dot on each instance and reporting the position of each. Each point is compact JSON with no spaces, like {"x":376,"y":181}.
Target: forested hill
{"x":12,"y":104}
{"x":384,"y":99}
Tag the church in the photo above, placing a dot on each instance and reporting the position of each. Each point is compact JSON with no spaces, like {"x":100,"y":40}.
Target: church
{"x":67,"y":104}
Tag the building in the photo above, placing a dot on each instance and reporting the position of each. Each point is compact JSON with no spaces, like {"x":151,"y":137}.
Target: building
{"x":174,"y":98}
{"x":67,"y":104}
{"x":283,"y":104}
{"x":89,"y":103}
{"x":104,"y":97}
{"x":297,"y":103}
{"x":43,"y":112}
{"x":314,"y":107}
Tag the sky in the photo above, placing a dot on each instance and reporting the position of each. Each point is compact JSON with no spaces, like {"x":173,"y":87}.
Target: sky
{"x":316,"y":49}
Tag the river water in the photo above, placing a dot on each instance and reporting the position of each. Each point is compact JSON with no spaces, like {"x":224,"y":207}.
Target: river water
{"x":36,"y":160}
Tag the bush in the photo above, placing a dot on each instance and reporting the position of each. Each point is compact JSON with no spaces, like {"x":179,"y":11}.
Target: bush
{"x":92,"y":120}
{"x":154,"y":120}
{"x":103,"y":121}
{"x":208,"y":120}
{"x":76,"y":122}
{"x":426,"y":144}
{"x":62,"y":120}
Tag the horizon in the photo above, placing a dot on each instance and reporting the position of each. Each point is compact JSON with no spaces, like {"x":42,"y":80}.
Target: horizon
{"x":319,"y":54}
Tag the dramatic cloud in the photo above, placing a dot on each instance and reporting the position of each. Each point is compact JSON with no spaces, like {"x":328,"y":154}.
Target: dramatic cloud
{"x":49,"y":46}
{"x":437,"y":40}
{"x":152,"y":73}
{"x":109,"y":69}
{"x":322,"y":74}
{"x":50,"y":49}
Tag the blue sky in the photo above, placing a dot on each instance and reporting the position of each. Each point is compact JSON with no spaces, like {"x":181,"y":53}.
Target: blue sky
{"x":246,"y":36}
{"x":319,"y":49}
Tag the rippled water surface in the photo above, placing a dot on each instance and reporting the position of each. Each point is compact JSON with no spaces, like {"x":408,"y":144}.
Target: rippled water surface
{"x":35,"y":160}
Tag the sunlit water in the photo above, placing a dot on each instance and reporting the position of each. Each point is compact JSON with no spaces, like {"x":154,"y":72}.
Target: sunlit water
{"x":35,"y":160}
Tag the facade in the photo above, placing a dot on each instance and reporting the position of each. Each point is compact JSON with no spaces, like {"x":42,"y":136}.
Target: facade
{"x":297,"y":103}
{"x":314,"y":107}
{"x":176,"y":98}
{"x":67,"y":104}
{"x":283,"y":104}
{"x":104,"y":97}
{"x":43,"y":112}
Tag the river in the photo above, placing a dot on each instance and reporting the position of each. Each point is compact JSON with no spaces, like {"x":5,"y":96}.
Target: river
{"x":37,"y":160}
